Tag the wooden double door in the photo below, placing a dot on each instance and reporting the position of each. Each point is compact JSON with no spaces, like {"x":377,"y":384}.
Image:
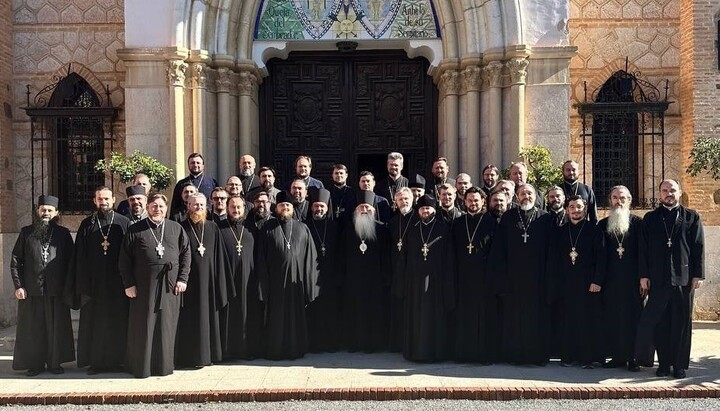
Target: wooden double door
{"x":349,"y":108}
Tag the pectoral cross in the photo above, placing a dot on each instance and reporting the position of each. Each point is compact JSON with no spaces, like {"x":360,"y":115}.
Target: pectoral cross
{"x":399,"y":244}
{"x":160,"y":250}
{"x":238,"y":247}
{"x":287,"y":244}
{"x":573,"y":256}
{"x":470,"y":248}
{"x":201,"y":249}
{"x":620,"y":250}
{"x":322,"y":249}
{"x":669,"y":243}
{"x":425,"y":250}
{"x":105,"y":244}
{"x":525,"y":236}
{"x":44,"y":253}
{"x":337,"y":212}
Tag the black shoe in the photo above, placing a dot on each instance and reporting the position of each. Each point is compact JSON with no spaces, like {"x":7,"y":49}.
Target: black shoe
{"x":662,"y":371}
{"x":633,"y":366}
{"x":33,"y":372}
{"x":678,"y":373}
{"x":56,"y":371}
{"x":613,"y":364}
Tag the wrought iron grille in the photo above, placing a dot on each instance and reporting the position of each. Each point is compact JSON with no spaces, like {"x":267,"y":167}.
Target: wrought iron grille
{"x":625,"y":123}
{"x":70,"y":131}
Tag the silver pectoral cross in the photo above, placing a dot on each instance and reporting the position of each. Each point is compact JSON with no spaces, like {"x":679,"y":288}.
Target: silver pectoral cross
{"x":363,"y":246}
{"x":425,"y":250}
{"x":525,"y":236}
{"x":399,"y":244}
{"x":669,"y":243}
{"x":573,"y":256}
{"x":105,"y":244}
{"x":238,"y":247}
{"x":45,"y":254}
{"x":160,"y":250}
{"x":620,"y":250}
{"x":470,"y":247}
{"x":322,"y":249}
{"x":201,"y":249}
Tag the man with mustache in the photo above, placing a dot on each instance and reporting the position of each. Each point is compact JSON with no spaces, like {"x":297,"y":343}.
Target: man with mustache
{"x":571,"y":185}
{"x":197,"y":177}
{"x":556,"y":205}
{"x":137,"y":202}
{"x":403,"y":218}
{"x":39,"y":269}
{"x":247,"y":173}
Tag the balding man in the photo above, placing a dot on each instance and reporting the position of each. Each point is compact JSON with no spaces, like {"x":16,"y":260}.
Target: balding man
{"x":247,"y":173}
{"x":519,"y":176}
{"x":463,"y":181}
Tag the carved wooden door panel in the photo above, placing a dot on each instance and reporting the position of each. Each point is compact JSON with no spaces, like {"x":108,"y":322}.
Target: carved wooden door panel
{"x":347,"y":108}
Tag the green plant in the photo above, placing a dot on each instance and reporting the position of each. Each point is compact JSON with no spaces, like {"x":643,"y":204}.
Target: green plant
{"x":125,"y":167}
{"x":541,"y":172}
{"x":705,"y":156}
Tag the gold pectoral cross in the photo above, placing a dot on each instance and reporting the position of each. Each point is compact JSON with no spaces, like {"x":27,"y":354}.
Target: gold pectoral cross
{"x":425,"y":250}
{"x":573,"y":256}
{"x":105,"y":244}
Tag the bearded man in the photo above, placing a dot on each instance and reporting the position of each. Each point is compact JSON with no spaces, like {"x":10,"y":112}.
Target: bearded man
{"x":572,"y":186}
{"x":342,"y":196}
{"x":207,"y":293}
{"x":499,"y":203}
{"x":186,"y":192}
{"x":448,"y":211}
{"x":367,"y":278}
{"x":490,"y":176}
{"x":137,"y":201}
{"x":260,"y":213}
{"x":622,"y":245}
{"x":39,"y":269}
{"x":556,"y":205}
{"x":400,"y":223}
{"x":387,"y":187}
{"x":463,"y":181}
{"x":417,"y":186}
{"x":247,"y":173}
{"x":301,"y":206}
{"x":140,"y":180}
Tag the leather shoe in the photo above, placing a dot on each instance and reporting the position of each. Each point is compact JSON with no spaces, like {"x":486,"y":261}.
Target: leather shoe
{"x":678,"y":373}
{"x":58,"y":370}
{"x":633,"y":366}
{"x":662,"y":371}
{"x":33,"y":372}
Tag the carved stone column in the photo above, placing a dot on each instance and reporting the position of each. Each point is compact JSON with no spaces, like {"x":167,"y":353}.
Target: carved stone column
{"x":234,"y":120}
{"x":176,"y":70}
{"x":515,"y":126}
{"x":248,"y":124}
{"x":198,"y":85}
{"x":491,"y":126}
{"x":225,"y":153}
{"x":470,"y":158}
{"x":450,"y":86}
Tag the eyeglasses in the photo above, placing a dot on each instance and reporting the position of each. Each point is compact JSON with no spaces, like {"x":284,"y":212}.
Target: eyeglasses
{"x":219,"y":198}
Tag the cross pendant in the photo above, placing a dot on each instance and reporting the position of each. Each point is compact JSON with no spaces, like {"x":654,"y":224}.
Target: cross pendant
{"x":573,"y":256}
{"x":44,"y":254}
{"x":201,"y":249}
{"x":322,"y":249}
{"x":470,"y":248}
{"x":337,"y":212}
{"x":238,"y":247}
{"x":160,"y":250}
{"x":399,"y":244}
{"x":425,"y":250}
{"x":525,"y":236}
{"x":287,"y":245}
{"x":620,"y":250}
{"x":105,"y":244}
{"x":669,"y":243}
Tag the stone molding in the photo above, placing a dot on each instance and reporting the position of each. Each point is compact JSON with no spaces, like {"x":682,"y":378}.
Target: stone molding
{"x":492,"y":74}
{"x":176,"y":72}
{"x":473,"y":78}
{"x":450,"y":82}
{"x":247,"y":84}
{"x":198,"y":75}
{"x":223,"y":82}
{"x":517,"y":68}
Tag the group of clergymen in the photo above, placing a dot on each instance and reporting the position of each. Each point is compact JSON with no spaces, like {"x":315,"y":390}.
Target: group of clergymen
{"x":437,"y":269}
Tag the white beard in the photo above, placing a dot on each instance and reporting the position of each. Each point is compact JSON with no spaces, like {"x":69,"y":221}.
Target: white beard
{"x":618,"y":221}
{"x":405,"y":210}
{"x":246,"y":173}
{"x":364,"y":226}
{"x":527,"y":205}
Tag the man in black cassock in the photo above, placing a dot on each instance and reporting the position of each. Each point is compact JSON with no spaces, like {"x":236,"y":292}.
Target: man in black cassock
{"x":477,"y":325}
{"x":186,"y":191}
{"x":39,"y":269}
{"x":301,"y":205}
{"x":498,"y":204}
{"x":401,"y":222}
{"x":447,"y":210}
{"x":519,"y":176}
{"x":556,"y":205}
{"x":367,"y":278}
{"x":518,"y":258}
{"x":383,"y":209}
{"x":104,"y":314}
{"x":575,"y":275}
{"x":137,"y":202}
{"x":671,"y":271}
{"x":198,"y":334}
{"x":556,"y":310}
{"x":141,"y":180}
{"x":429,"y":291}
{"x":287,"y":268}
{"x":247,"y":173}
{"x":260,"y":213}
{"x":323,"y":314}
{"x":342,"y":196}
{"x":197,"y":177}
{"x":242,"y":318}
{"x":387,"y":187}
{"x":439,"y":176}
{"x":622,"y":246}
{"x":154,"y":264}
{"x":572,"y":186}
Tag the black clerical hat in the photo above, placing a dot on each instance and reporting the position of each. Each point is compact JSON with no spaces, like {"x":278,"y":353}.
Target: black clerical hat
{"x":283,"y":197}
{"x":321,"y":195}
{"x":365,"y":197}
{"x":426,"y":201}
{"x":48,"y":201}
{"x":417,"y":182}
{"x":135,"y":191}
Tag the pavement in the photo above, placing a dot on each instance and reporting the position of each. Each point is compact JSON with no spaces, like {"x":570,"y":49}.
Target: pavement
{"x":358,"y":376}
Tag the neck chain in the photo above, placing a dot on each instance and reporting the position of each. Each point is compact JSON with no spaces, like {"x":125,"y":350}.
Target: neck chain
{"x":323,"y":250}
{"x":238,"y":241}
{"x":426,"y":247}
{"x":201,"y":247}
{"x":105,"y":243}
{"x":45,"y":248}
{"x":470,"y":245}
{"x":339,"y":207}
{"x":525,"y":227}
{"x":402,"y":231}
{"x":573,"y":252}
{"x":289,"y":236}
{"x":670,"y":233}
{"x":202,"y":177}
{"x":620,"y":250}
{"x":160,"y":249}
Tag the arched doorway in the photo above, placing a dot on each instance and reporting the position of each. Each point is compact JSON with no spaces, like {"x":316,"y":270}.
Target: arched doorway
{"x":350,"y":108}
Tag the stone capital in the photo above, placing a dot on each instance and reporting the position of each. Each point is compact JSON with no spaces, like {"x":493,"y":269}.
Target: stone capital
{"x":223,"y":82}
{"x":450,"y":82}
{"x":176,"y":72}
{"x":247,"y":83}
{"x":491,"y":74}
{"x":517,"y":68}
{"x":473,"y":78}
{"x":198,"y":75}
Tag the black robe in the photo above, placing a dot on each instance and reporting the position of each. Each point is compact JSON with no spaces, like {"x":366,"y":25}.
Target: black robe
{"x":398,"y":229}
{"x":429,"y":292}
{"x":249,"y":183}
{"x":204,"y":183}
{"x":242,"y":327}
{"x":587,"y":194}
{"x":387,"y":188}
{"x":477,"y":330}
{"x":323,"y":314}
{"x":520,"y":280}
{"x":343,"y":203}
{"x":302,"y":211}
{"x":288,"y":278}
{"x":44,"y":335}
{"x":366,"y":290}
{"x":198,"y":334}
{"x":449,"y":216}
{"x":622,"y":303}
{"x":153,"y":317}
{"x":102,"y":332}
{"x":666,"y":321}
{"x":581,"y":322}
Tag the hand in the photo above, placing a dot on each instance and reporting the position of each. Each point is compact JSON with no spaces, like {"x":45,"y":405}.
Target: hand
{"x":180,"y":287}
{"x":131,"y":292}
{"x":696,"y":282}
{"x":20,"y":294}
{"x":594,"y":288}
{"x":644,"y":287}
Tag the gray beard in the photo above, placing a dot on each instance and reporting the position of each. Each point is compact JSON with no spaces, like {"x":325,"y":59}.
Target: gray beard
{"x":618,"y":221}
{"x":318,"y":217}
{"x":364,"y":226}
{"x":405,"y":210}
{"x":246,"y":173}
{"x":527,"y":205}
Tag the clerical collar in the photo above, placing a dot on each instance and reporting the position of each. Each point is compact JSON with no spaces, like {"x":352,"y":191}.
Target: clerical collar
{"x":343,"y":185}
{"x":139,"y":217}
{"x":572,"y":183}
{"x":429,"y":220}
{"x":471,"y":215}
{"x":671,"y":208}
{"x":525,"y":211}
{"x":195,"y":175}
{"x":154,"y":224}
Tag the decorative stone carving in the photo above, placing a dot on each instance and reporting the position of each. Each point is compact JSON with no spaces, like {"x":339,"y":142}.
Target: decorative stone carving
{"x":223,"y":82}
{"x":176,"y":72}
{"x":473,"y":78}
{"x":198,"y":75}
{"x":450,"y":82}
{"x":247,"y":86}
{"x":491,"y":74}
{"x":517,"y":68}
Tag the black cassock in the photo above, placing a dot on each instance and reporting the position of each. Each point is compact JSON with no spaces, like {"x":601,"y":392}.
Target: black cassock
{"x":429,"y":292}
{"x":581,"y":322}
{"x":366,"y":290}
{"x":242,"y":318}
{"x":622,"y":303}
{"x":152,"y":322}
{"x":519,"y":264}
{"x":323,"y":314}
{"x":287,"y":267}
{"x":44,"y":333}
{"x":477,"y":324}
{"x":102,"y":332}
{"x":398,"y":229}
{"x":198,"y":334}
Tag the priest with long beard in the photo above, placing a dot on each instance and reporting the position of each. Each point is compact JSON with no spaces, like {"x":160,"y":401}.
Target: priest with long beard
{"x":198,"y":333}
{"x":242,"y":318}
{"x":400,"y":223}
{"x":429,"y":290}
{"x":367,"y":278}
{"x":623,"y":244}
{"x":287,"y":268}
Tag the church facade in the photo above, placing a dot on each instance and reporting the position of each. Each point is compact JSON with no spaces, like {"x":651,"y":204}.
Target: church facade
{"x":350,"y":80}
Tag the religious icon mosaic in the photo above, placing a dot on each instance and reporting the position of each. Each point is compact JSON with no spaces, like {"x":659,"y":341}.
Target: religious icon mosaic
{"x":346,"y":20}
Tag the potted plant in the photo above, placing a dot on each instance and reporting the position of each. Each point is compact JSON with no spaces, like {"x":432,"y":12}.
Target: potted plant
{"x":125,"y":168}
